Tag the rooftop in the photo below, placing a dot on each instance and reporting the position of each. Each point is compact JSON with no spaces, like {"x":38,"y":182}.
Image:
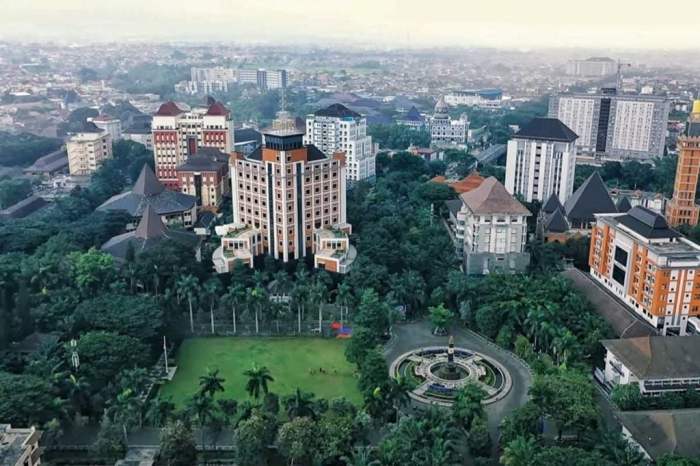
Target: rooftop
{"x":337,"y":111}
{"x":590,"y":198}
{"x":14,"y":441}
{"x":550,"y":129}
{"x":169,"y":109}
{"x":491,"y":197}
{"x":665,"y":432}
{"x":649,"y":357}
{"x":647,"y":223}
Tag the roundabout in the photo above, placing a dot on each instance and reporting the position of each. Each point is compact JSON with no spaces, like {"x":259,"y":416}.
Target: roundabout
{"x":439,"y":372}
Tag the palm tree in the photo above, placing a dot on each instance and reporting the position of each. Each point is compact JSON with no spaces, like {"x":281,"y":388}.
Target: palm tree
{"x":519,"y":452}
{"x":360,"y":456}
{"x":300,"y":405}
{"x":160,"y":411}
{"x":398,"y":391}
{"x":203,"y":407}
{"x":234,"y":296}
{"x":212,"y":290}
{"x":78,"y":392}
{"x":210,"y":383}
{"x":342,"y":299}
{"x":317,"y":295}
{"x":256,"y":297}
{"x":258,"y":378}
{"x":186,"y":288}
{"x":299,"y":296}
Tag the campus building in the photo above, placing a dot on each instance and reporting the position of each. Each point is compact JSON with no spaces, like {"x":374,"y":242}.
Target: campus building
{"x":178,"y":134}
{"x":283,"y":194}
{"x":594,"y":67}
{"x":614,"y":126}
{"x":264,"y":79}
{"x":446,"y":132}
{"x":338,"y":129}
{"x":652,"y":268}
{"x":19,"y":447}
{"x":205,"y":176}
{"x":489,"y":229}
{"x":540,"y":160}
{"x":110,"y":125}
{"x":412,"y":119}
{"x":682,"y":208}
{"x":483,"y":98}
{"x":87,"y":151}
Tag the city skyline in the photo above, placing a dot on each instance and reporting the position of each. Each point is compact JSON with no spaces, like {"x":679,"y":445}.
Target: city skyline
{"x":388,"y":23}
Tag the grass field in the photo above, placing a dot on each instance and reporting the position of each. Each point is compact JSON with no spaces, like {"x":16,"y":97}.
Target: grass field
{"x":293,"y":362}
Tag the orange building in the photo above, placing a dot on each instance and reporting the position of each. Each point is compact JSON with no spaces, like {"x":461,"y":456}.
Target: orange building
{"x":466,"y":184}
{"x":649,"y":266}
{"x":682,"y":208}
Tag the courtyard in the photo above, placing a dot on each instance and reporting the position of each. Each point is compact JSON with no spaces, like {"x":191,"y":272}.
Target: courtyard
{"x":313,"y":365}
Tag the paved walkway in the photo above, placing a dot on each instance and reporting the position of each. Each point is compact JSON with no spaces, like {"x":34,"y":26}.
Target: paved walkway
{"x":415,"y":335}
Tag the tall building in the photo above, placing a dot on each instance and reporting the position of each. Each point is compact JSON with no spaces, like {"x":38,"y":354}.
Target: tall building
{"x":489,"y":228}
{"x":276,"y":79}
{"x":264,"y":79}
{"x":19,"y":447}
{"x":208,"y":80}
{"x":338,"y":129}
{"x":541,"y":160}
{"x":682,"y":208}
{"x":614,"y":126}
{"x":283,"y":194}
{"x":595,"y":67}
{"x":444,"y":131}
{"x":483,"y":98}
{"x":205,"y":176}
{"x":86,"y":151}
{"x":109,"y":124}
{"x":177,"y":135}
{"x":649,"y":266}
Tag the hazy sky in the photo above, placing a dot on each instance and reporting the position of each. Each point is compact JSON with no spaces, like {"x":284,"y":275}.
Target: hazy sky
{"x":412,"y":23}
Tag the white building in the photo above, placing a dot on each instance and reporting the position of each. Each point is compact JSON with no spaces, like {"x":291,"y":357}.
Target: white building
{"x":612,"y":126}
{"x":592,"y":67}
{"x":19,"y":447}
{"x":444,"y":131}
{"x":339,"y":129}
{"x":264,"y":79}
{"x":541,"y":160}
{"x":111,"y":125}
{"x":483,"y":98}
{"x":208,"y":80}
{"x":489,"y":228}
{"x":86,"y":151}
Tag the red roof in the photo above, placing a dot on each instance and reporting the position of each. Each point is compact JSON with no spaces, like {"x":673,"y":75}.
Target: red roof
{"x":168,"y":109}
{"x":217,"y":109}
{"x":464,"y":185}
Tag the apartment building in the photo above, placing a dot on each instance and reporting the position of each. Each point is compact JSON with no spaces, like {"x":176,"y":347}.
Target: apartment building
{"x":541,"y":160}
{"x":110,"y":125}
{"x":205,"y":176}
{"x":283,"y":194}
{"x":209,"y":80}
{"x":483,"y":98}
{"x":594,"y":67}
{"x":178,"y":134}
{"x":264,"y":79}
{"x":338,"y":129}
{"x":682,"y":209}
{"x":19,"y":447}
{"x":649,"y":266}
{"x":445,"y":131}
{"x":86,"y":151}
{"x":614,"y":126}
{"x":489,"y":228}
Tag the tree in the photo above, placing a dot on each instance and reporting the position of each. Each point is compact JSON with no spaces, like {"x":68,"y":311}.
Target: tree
{"x":519,"y":452}
{"x":212,"y":291}
{"x":361,"y":456}
{"x":297,"y":440}
{"x":110,"y":441}
{"x":138,"y":316}
{"x":525,"y":421}
{"x":14,"y":190}
{"x":300,"y":404}
{"x":211,"y":383}
{"x":252,"y":438}
{"x":440,"y":318}
{"x":363,"y":340}
{"x":467,"y":405}
{"x":187,"y":286}
{"x":258,"y":378}
{"x":234,"y":297}
{"x":177,"y":445}
{"x":26,"y":399}
{"x":160,"y":412}
{"x":627,"y":397}
{"x":91,"y":270}
{"x":372,"y":313}
{"x":478,"y":438}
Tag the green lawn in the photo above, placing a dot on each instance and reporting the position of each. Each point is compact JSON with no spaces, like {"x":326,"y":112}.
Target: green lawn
{"x":291,"y":362}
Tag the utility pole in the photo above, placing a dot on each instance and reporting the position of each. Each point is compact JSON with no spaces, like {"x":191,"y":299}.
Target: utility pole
{"x":165,"y":355}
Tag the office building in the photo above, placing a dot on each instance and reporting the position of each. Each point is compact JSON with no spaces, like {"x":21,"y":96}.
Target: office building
{"x":19,"y":447}
{"x":652,"y":268}
{"x":338,"y":129}
{"x":489,"y":228}
{"x":283,"y":194}
{"x":276,"y":79}
{"x":445,"y":131}
{"x":210,"y":80}
{"x":595,"y":67}
{"x":110,"y":125}
{"x":541,"y":159}
{"x":264,"y":79}
{"x":87,"y":151}
{"x":205,"y":176}
{"x":178,"y":134}
{"x":483,"y":98}
{"x":682,"y":209}
{"x":614,"y":126}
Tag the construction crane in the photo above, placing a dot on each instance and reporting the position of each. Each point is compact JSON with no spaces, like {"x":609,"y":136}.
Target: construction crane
{"x":620,"y":65}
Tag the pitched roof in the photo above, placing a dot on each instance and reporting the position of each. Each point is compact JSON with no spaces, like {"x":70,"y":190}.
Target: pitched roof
{"x":147,"y":184}
{"x":491,"y":197}
{"x":590,"y":198}
{"x":246,"y":135}
{"x":454,"y":205}
{"x":440,"y":105}
{"x":413,"y":115}
{"x":217,"y":109}
{"x":556,"y":222}
{"x":151,"y":225}
{"x":169,"y":108}
{"x":550,"y":129}
{"x":466,"y":184}
{"x":647,"y":223}
{"x":338,"y":111}
{"x":623,"y":205}
{"x":665,"y":432}
{"x":552,"y":204}
{"x":658,"y":357}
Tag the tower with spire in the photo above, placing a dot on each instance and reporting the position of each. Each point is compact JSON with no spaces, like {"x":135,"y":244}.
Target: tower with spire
{"x":682,"y":209}
{"x":444,"y":131}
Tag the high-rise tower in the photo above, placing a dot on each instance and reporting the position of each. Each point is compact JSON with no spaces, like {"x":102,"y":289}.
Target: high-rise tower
{"x":682,"y":208}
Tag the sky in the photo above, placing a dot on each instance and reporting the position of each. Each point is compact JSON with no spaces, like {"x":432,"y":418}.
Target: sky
{"x":625,"y":24}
